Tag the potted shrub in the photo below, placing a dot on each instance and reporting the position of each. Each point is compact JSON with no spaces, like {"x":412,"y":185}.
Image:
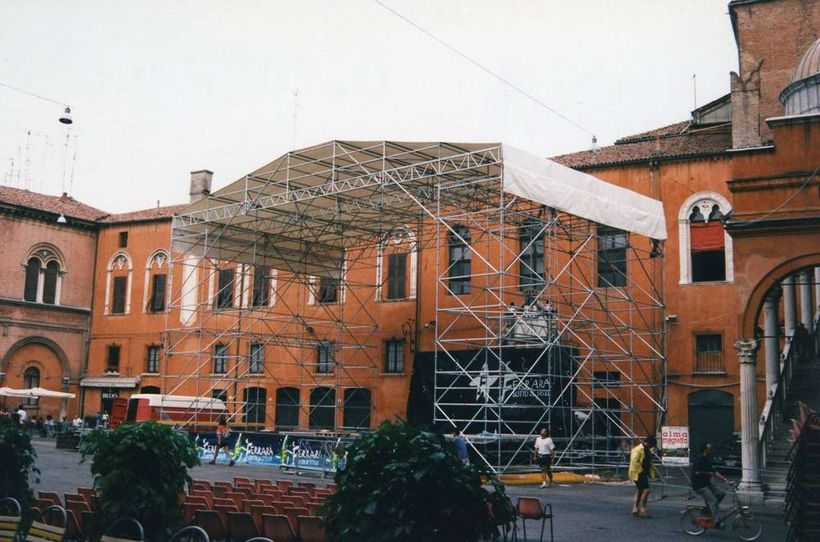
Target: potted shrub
{"x":17,"y":462}
{"x":401,"y":484}
{"x":140,"y":469}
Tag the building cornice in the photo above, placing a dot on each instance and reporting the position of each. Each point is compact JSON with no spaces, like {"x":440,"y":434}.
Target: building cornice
{"x":45,"y":306}
{"x":752,"y":184}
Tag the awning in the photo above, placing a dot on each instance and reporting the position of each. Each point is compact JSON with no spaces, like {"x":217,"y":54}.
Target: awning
{"x":110,"y":382}
{"x":32,"y":393}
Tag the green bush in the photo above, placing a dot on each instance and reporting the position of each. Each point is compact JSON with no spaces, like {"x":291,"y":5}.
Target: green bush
{"x":17,"y":458}
{"x":140,"y":470}
{"x":401,"y":484}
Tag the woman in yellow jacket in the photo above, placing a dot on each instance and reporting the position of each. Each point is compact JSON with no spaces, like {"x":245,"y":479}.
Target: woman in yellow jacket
{"x":641,"y":470}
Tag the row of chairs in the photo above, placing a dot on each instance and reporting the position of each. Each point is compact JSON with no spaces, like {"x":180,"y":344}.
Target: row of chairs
{"x":803,"y":482}
{"x":51,"y":524}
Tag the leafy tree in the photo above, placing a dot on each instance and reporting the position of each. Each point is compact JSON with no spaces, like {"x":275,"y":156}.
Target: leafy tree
{"x":17,"y":462}
{"x":140,"y":470}
{"x":400,"y":484}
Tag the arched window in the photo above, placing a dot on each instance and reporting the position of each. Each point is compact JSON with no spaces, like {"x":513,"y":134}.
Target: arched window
{"x":118,"y":284}
{"x":705,"y":248}
{"x":254,"y":410}
{"x":44,"y":270}
{"x":287,"y":408}
{"x":322,"y":408}
{"x":356,"y":411}
{"x":31,"y":379}
{"x":459,"y":260}
{"x":150,"y":389}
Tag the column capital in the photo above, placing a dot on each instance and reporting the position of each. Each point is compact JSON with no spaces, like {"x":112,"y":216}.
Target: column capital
{"x":773,"y":294}
{"x":747,"y":350}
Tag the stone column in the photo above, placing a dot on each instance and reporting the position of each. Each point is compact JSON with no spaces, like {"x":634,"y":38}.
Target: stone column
{"x":817,"y":287}
{"x":789,"y":306}
{"x":771,"y":339}
{"x":806,"y":305}
{"x":749,"y":415}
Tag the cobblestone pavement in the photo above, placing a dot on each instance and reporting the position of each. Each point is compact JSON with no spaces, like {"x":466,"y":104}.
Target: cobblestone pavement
{"x":583,"y":512}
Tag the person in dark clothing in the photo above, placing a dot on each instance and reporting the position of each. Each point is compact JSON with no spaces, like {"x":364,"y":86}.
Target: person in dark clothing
{"x":702,"y":473}
{"x":461,"y":447}
{"x":224,"y":441}
{"x":641,"y":470}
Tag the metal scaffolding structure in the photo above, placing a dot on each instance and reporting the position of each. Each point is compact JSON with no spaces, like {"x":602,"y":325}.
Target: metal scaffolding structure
{"x":539,"y":317}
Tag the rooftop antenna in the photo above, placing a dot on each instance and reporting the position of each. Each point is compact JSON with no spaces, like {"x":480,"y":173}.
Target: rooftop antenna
{"x":295,"y":115}
{"x":695,"y":88}
{"x":65,"y":156}
{"x":19,"y":168}
{"x":73,"y":163}
{"x":45,"y":160}
{"x":28,"y":159}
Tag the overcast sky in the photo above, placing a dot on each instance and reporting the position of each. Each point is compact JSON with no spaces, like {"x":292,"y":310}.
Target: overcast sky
{"x":158,"y":89}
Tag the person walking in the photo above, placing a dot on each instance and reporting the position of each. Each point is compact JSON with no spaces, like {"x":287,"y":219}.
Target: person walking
{"x":545,"y":453}
{"x":223,"y":434}
{"x":702,"y":473}
{"x":641,"y":470}
{"x":461,"y":447}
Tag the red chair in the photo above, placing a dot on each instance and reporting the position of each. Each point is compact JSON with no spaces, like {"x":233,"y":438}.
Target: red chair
{"x":50,"y":496}
{"x":219,"y":491}
{"x":223,"y":510}
{"x":206,"y":495}
{"x":250,"y":503}
{"x":295,"y":500}
{"x":241,"y":526}
{"x":189,"y":510}
{"x":202,"y":501}
{"x":237,"y":498}
{"x":89,"y":494}
{"x":241,"y":480}
{"x":278,"y":528}
{"x":311,"y":529}
{"x":258,"y":513}
{"x":293,"y":514}
{"x":211,"y":522}
{"x":530,"y":508}
{"x":284,"y":485}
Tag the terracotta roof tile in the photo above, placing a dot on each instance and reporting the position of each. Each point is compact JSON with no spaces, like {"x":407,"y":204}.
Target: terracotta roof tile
{"x":65,"y":205}
{"x":663,"y":143}
{"x":154,"y":213}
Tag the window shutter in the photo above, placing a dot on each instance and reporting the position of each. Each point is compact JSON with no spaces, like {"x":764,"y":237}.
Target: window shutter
{"x":400,"y":274}
{"x":706,"y":237}
{"x":158,"y":296}
{"x":120,"y":286}
{"x":32,"y":280}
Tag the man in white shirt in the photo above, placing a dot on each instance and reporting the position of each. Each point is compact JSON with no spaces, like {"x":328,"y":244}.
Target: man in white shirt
{"x":545,"y":452}
{"x":23,"y":415}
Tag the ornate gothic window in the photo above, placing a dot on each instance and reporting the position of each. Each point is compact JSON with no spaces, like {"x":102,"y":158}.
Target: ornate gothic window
{"x":705,"y":248}
{"x":397,"y":265}
{"x":43,"y":275}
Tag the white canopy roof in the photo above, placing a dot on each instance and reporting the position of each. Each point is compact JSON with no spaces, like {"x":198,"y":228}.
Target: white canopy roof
{"x":34,"y":393}
{"x":301,"y":201}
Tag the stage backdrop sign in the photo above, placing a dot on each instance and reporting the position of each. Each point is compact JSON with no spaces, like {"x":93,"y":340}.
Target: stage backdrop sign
{"x":675,"y":446}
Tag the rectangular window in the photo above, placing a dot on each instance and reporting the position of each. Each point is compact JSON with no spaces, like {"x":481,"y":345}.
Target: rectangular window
{"x":112,"y":360}
{"x":157,"y":301}
{"x":612,"y":244}
{"x":607,"y":379}
{"x":460,"y":260}
{"x":120,"y":291}
{"x":220,"y":359}
{"x":224,"y":295}
{"x":328,"y":290}
{"x":152,"y":365}
{"x":709,"y":353}
{"x":256,"y":359}
{"x":531,"y":248}
{"x":396,"y":276}
{"x":324,"y":357}
{"x":394,"y":356}
{"x":261,"y":289}
{"x":222,"y":395}
{"x":123,"y":239}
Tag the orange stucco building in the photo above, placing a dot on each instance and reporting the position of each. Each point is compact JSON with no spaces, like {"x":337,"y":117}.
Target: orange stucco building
{"x":738,"y":182}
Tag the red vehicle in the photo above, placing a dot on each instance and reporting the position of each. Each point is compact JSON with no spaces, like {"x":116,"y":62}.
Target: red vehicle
{"x":185,"y":411}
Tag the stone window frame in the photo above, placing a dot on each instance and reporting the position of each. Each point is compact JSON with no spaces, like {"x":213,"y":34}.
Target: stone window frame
{"x":118,"y":262}
{"x":704,"y":200}
{"x":400,"y":239}
{"x":157,"y":264}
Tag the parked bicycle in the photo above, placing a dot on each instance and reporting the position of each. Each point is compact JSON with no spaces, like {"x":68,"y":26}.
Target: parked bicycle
{"x":695,"y":520}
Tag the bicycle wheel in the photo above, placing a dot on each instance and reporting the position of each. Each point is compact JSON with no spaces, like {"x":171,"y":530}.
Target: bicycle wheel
{"x":747,"y":527}
{"x":689,"y":522}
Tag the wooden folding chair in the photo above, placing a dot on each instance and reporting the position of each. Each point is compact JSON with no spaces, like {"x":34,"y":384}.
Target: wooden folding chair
{"x":50,"y":526}
{"x":10,"y":519}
